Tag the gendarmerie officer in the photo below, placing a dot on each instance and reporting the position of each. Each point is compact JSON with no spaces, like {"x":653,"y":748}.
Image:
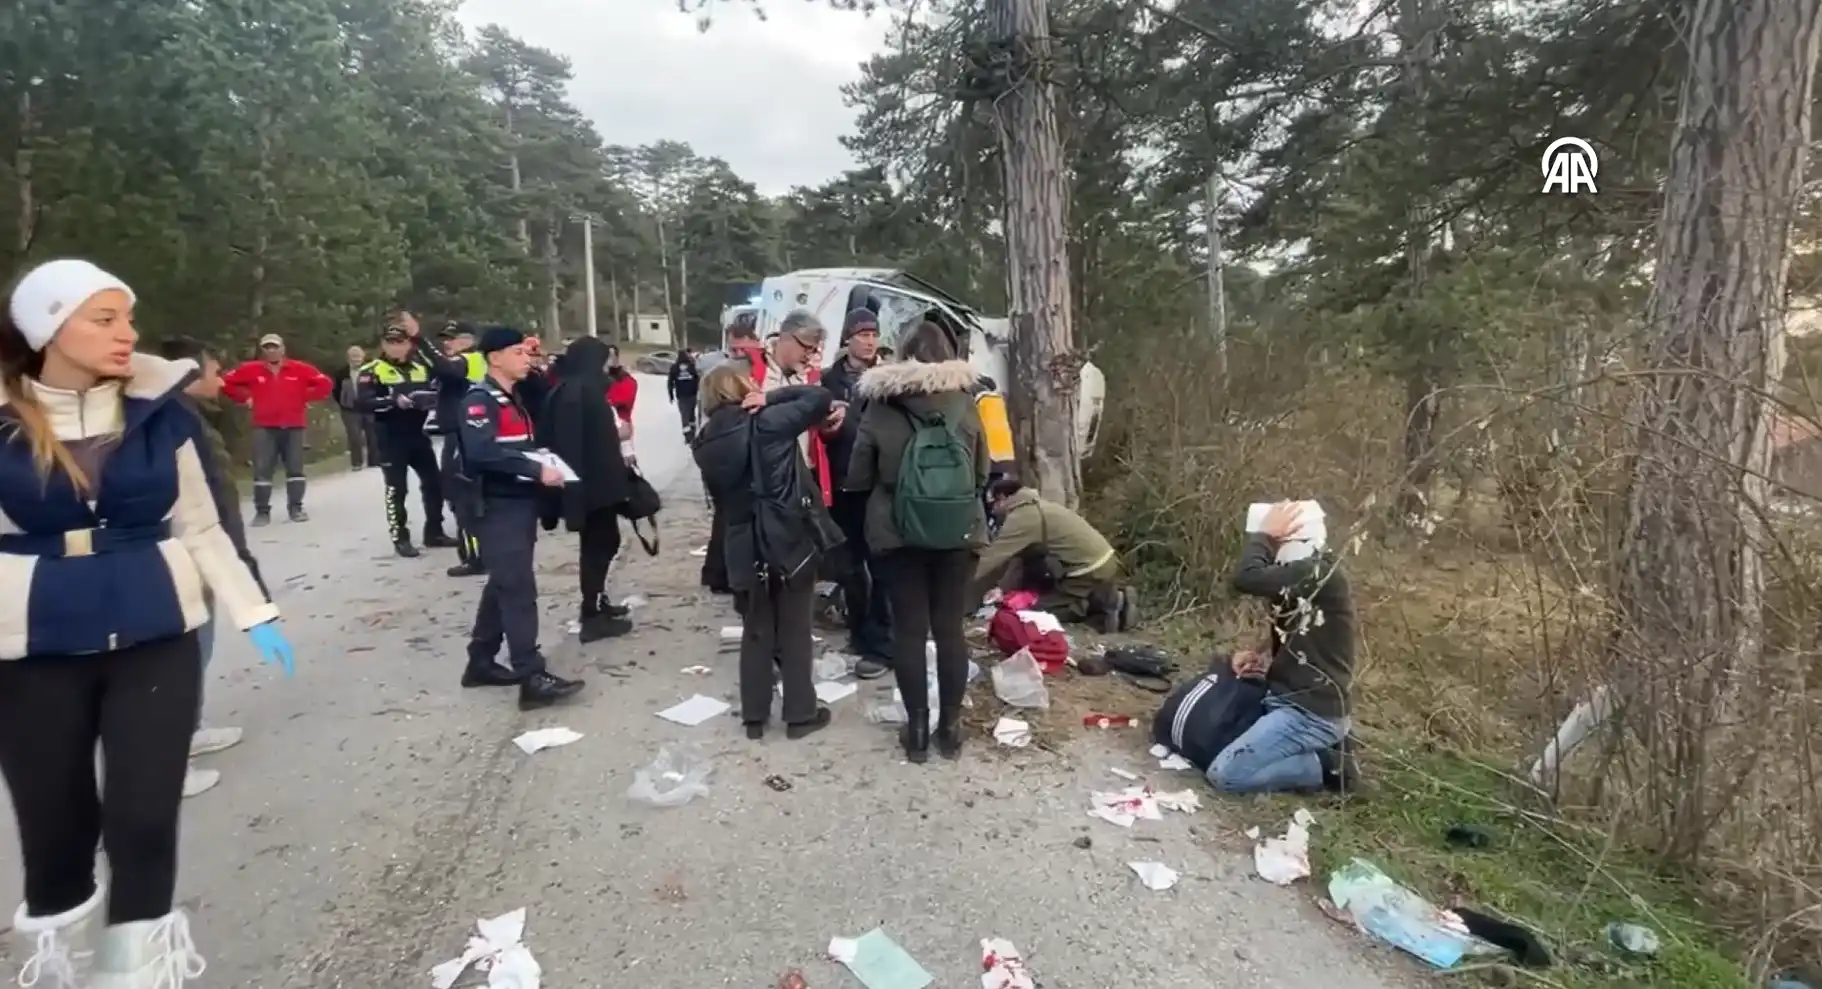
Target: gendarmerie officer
{"x":495,"y":436}
{"x":397,"y":389}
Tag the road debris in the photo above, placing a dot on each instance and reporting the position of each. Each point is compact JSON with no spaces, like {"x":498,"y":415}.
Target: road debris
{"x":695,"y":710}
{"x":1155,"y":875}
{"x":678,"y":775}
{"x":878,"y":962}
{"x":1002,"y":967}
{"x":1170,"y":760}
{"x":496,"y":949}
{"x":539,"y":739}
{"x":1141,"y":803}
{"x":1284,"y":860}
{"x":1012,"y":733}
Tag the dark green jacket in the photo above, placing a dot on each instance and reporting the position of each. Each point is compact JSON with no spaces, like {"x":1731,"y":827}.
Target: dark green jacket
{"x":885,"y":430}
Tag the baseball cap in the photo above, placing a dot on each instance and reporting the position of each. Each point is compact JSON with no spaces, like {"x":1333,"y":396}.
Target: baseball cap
{"x":272,"y":340}
{"x":394,"y":334}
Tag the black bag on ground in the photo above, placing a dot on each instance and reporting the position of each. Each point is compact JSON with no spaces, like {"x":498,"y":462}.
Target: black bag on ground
{"x":1205,"y":715}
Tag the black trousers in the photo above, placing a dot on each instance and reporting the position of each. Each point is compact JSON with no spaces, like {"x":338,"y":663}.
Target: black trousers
{"x":363,"y":438}
{"x":508,"y":532}
{"x":715,"y":563}
{"x":272,"y":447}
{"x":459,"y":491}
{"x":686,"y":411}
{"x":408,"y":451}
{"x":775,"y":647}
{"x":140,"y":704}
{"x":929,"y":592}
{"x":863,"y":595}
{"x":600,"y":544}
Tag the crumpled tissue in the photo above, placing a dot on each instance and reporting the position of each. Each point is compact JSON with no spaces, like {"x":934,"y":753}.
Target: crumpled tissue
{"x":1012,"y":732}
{"x":1155,"y":875}
{"x":1002,"y":967}
{"x":1136,"y":803}
{"x":496,"y":950}
{"x":1168,"y":759}
{"x":1284,"y":860}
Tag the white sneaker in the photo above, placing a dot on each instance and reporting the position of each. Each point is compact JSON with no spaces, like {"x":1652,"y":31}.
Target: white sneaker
{"x":197,"y":781}
{"x":59,"y":944}
{"x":207,"y":740}
{"x":148,"y":954}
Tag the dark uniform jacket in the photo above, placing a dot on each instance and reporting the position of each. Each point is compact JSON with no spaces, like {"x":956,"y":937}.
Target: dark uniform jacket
{"x":495,"y":434}
{"x":384,"y":380}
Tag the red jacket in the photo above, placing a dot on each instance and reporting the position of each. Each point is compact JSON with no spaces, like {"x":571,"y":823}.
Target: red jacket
{"x":819,"y":454}
{"x":278,"y":399}
{"x":621,"y":394}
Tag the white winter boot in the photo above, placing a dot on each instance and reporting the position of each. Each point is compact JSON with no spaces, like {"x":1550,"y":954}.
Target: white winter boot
{"x":59,"y":945}
{"x":147,"y":954}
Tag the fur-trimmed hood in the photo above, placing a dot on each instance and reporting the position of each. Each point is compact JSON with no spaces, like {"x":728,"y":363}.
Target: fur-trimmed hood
{"x":901,"y":379}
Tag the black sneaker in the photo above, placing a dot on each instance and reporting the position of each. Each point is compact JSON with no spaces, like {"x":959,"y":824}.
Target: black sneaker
{"x":615,"y":610}
{"x":817,"y":722}
{"x":868,"y":668}
{"x":545,"y":689}
{"x":490,"y":675}
{"x":471,"y":568}
{"x":436,"y":539}
{"x":299,"y":515}
{"x":404,"y":548}
{"x":261,"y":518}
{"x":604,"y":626}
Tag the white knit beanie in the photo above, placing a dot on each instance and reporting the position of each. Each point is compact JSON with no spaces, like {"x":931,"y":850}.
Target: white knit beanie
{"x":51,"y":292}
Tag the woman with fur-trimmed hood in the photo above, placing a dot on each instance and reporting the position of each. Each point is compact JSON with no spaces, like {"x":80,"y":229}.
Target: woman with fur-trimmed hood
{"x":927,"y":588}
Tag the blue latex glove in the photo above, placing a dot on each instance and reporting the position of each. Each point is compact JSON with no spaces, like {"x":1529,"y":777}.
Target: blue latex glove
{"x":273,"y":647}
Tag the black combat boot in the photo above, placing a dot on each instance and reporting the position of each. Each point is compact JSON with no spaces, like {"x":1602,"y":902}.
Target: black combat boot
{"x":543,"y":689}
{"x":915,"y":735}
{"x":949,"y":733}
{"x":435,"y":538}
{"x":602,"y":619}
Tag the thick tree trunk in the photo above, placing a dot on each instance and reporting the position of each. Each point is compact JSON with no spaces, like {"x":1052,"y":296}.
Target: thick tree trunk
{"x":1689,"y":585}
{"x":22,"y":173}
{"x":1046,"y":369}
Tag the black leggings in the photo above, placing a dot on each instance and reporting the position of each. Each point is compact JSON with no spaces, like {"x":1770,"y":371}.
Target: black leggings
{"x":600,"y":544}
{"x":140,"y":704}
{"x":929,"y":594}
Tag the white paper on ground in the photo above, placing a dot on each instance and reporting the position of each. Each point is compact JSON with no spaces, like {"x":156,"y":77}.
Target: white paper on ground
{"x":515,"y":968}
{"x":700,"y":671}
{"x":1123,"y":808}
{"x":842,"y":950}
{"x":1012,"y":733}
{"x":1002,"y":967}
{"x":732,"y":633}
{"x":1182,"y":801}
{"x":498,"y":951}
{"x":700,"y":551}
{"x":695,"y":710}
{"x":830,"y":691}
{"x":1155,"y":875}
{"x":539,"y":739}
{"x":1168,"y":759}
{"x":1282,"y":861}
{"x":551,"y":460}
{"x":1125,"y":774}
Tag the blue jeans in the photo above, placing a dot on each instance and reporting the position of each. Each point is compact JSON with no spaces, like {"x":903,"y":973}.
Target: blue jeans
{"x":205,"y":638}
{"x":1278,"y":753}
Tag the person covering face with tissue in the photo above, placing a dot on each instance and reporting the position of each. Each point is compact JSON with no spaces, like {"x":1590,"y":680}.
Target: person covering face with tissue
{"x":1298,"y":745}
{"x":110,"y":550}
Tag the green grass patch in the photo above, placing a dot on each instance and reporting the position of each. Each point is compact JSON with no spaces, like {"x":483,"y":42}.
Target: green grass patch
{"x":1565,"y":883}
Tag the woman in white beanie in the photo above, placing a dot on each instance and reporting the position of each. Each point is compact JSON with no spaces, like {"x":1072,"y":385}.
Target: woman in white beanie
{"x":108,"y":542}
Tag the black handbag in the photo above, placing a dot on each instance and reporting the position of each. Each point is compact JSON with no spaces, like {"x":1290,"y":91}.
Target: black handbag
{"x":641,"y":508}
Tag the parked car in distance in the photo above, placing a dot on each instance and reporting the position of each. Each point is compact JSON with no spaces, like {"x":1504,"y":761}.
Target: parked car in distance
{"x":656,"y":362}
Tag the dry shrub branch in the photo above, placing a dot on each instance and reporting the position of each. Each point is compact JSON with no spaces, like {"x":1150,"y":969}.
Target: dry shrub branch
{"x":1493,"y":616}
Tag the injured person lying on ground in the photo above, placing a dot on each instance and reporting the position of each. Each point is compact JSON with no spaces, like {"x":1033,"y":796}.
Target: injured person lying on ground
{"x":1285,"y":707}
{"x":1045,"y":548}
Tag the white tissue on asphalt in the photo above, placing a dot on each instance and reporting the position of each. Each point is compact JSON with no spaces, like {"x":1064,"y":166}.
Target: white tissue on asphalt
{"x":1155,"y":875}
{"x":1282,"y":861}
{"x":539,"y":739}
{"x":498,"y":950}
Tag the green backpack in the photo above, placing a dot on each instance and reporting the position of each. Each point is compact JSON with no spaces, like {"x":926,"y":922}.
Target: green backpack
{"x":935,"y":505}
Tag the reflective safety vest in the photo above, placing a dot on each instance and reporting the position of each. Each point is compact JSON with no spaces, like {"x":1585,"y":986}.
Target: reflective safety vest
{"x":477,"y":366}
{"x":996,"y":426}
{"x":389,"y":374}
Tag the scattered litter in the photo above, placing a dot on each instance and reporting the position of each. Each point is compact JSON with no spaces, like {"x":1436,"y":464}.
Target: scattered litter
{"x":1253,"y":832}
{"x":830,"y":691}
{"x":1019,"y":681}
{"x":676,"y":777}
{"x":1633,"y":940}
{"x":695,"y":711}
{"x":1125,"y":774}
{"x":792,"y":979}
{"x":1002,"y":967}
{"x":834,"y":665}
{"x":1401,"y":918}
{"x":496,"y":950}
{"x":732,"y":633}
{"x":878,"y":962}
{"x":1181,"y":801}
{"x":777,"y":784}
{"x":700,"y":671}
{"x":1125,"y":807}
{"x":539,"y":739}
{"x":1095,"y":719}
{"x":1282,"y":861}
{"x":1170,"y":760}
{"x":700,"y":551}
{"x":573,"y":627}
{"x":1155,"y":875}
{"x":887,"y":710}
{"x":632,"y":601}
{"x":1012,"y":733}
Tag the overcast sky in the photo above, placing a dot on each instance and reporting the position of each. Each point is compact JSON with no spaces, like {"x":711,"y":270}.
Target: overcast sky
{"x":763,"y":95}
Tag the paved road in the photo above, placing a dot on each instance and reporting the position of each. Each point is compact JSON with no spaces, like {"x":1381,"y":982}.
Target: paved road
{"x":376,"y":809}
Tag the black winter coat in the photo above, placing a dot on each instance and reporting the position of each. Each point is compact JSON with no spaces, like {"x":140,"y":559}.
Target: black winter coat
{"x":576,"y":424}
{"x":762,"y":487}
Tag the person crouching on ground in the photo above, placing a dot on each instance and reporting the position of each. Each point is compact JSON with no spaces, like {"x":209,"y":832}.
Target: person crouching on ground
{"x":111,"y":550}
{"x":921,"y":454}
{"x":1046,"y":548}
{"x":775,"y":532}
{"x":1298,"y":745}
{"x":581,"y":427}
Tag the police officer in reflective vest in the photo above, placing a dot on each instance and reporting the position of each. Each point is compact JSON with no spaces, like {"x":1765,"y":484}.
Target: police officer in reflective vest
{"x":494,"y":433}
{"x":397,"y":389}
{"x":454,"y":367}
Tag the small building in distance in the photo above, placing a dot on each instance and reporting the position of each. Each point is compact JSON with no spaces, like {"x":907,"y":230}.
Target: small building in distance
{"x":650,"y":329}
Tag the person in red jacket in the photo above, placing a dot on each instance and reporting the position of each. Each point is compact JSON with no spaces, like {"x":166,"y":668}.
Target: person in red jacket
{"x":278,"y":390}
{"x":622,"y":387}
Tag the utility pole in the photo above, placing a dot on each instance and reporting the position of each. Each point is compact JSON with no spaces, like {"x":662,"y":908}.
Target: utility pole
{"x":1217,"y":275}
{"x":588,"y":271}
{"x":680,"y":335}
